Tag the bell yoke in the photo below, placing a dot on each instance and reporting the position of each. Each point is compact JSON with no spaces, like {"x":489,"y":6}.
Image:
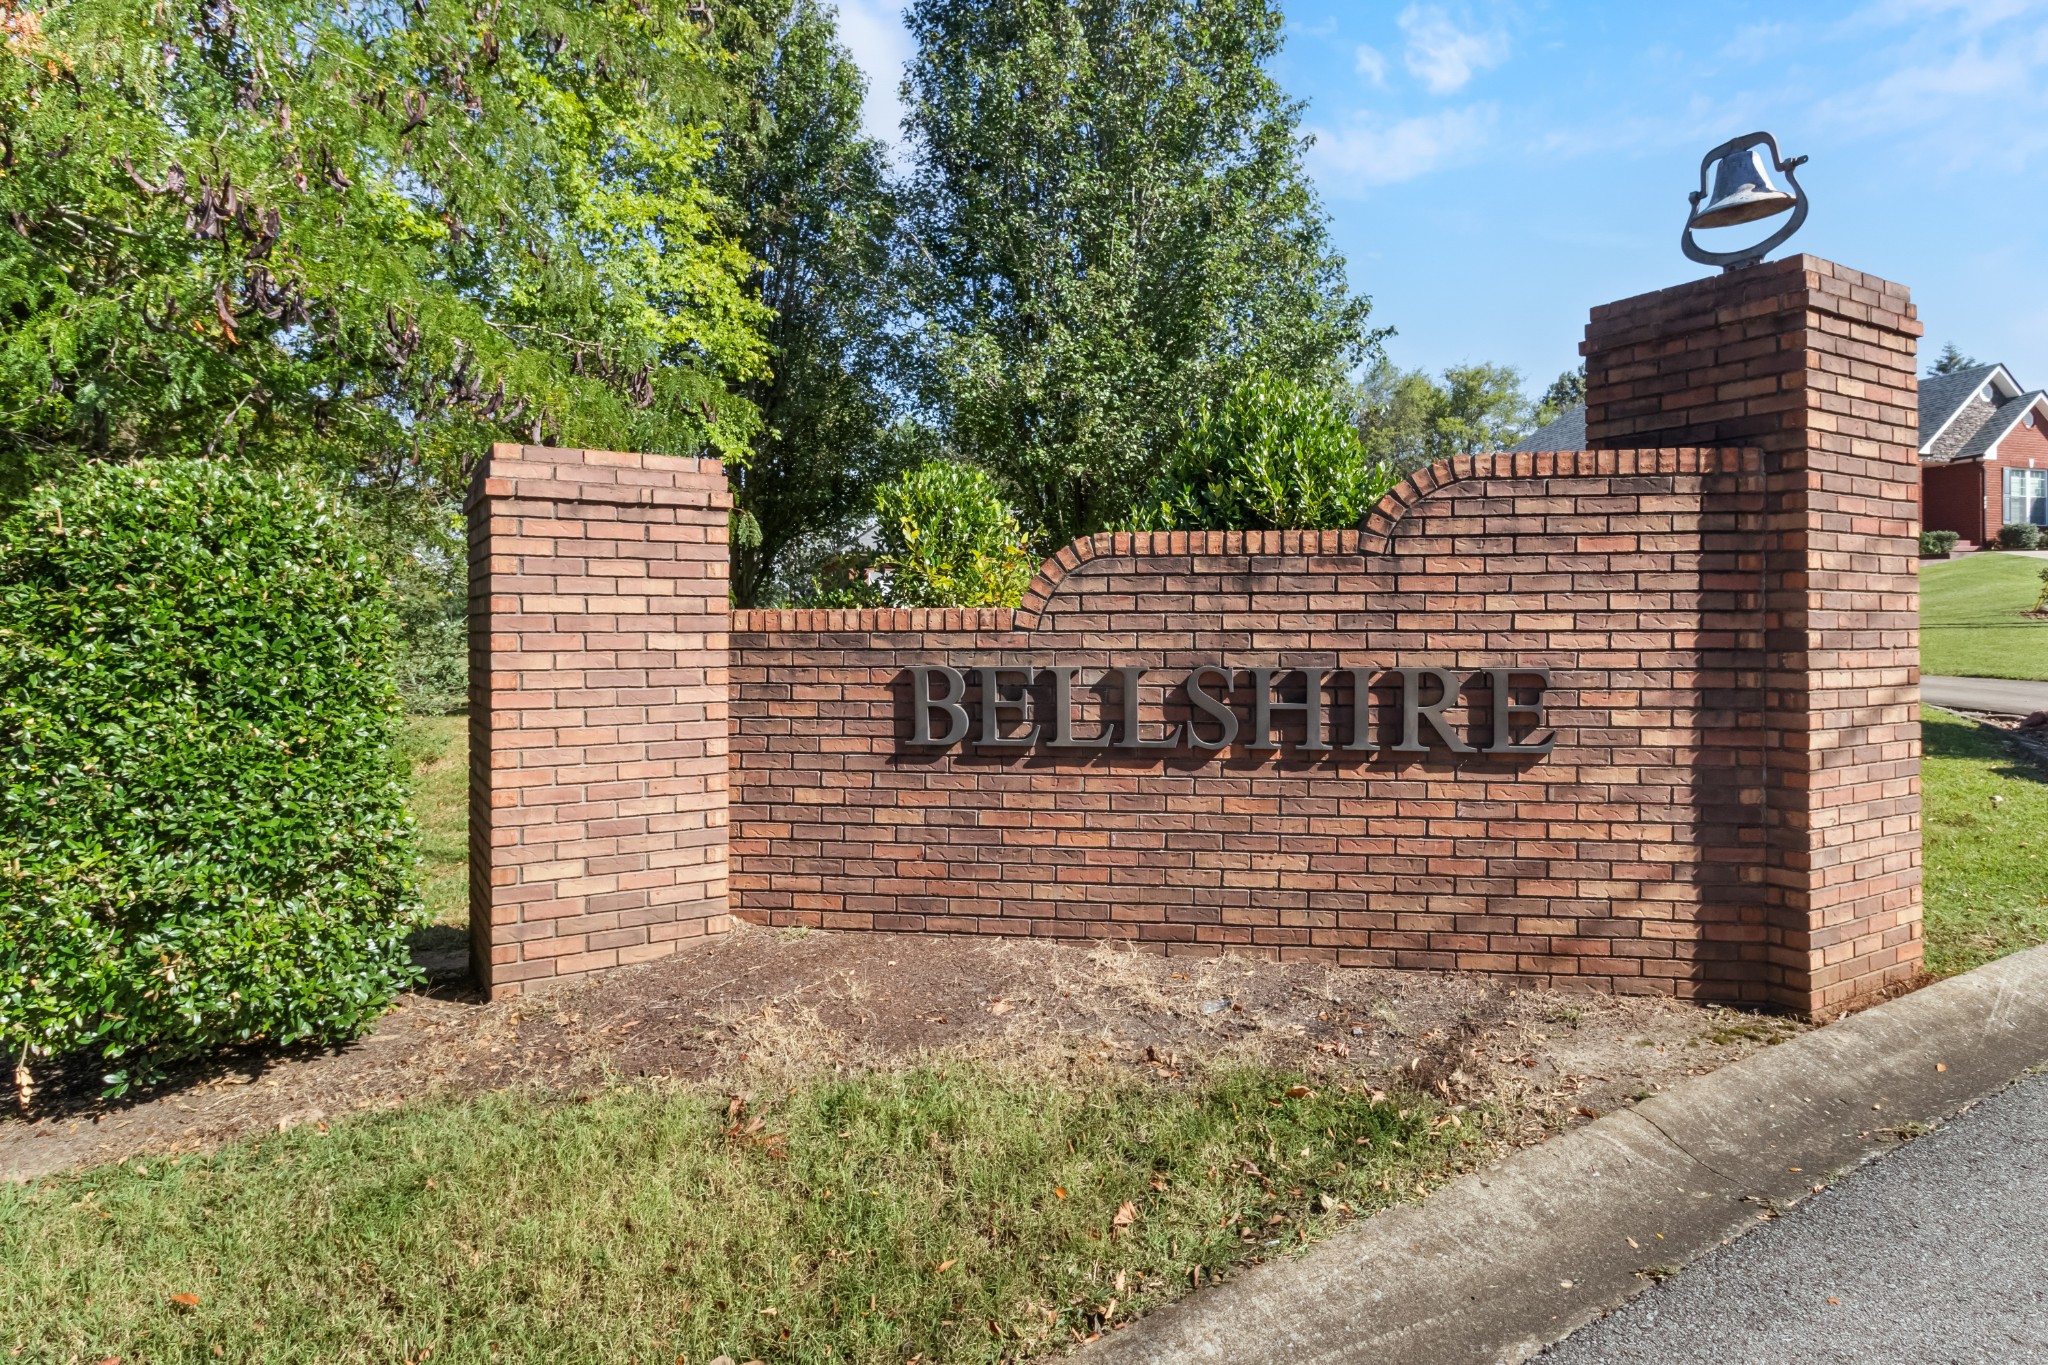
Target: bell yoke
{"x":942,"y":713}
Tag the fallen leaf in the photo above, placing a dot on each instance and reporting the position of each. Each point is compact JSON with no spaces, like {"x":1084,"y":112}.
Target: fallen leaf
{"x":1000,"y":1007}
{"x":1834,"y":1300}
{"x":945,"y":1266}
{"x":1058,"y":1192}
{"x":185,"y":1301}
{"x":1126,"y":1214}
{"x":1941,"y":1066}
{"x":1299,"y":1092}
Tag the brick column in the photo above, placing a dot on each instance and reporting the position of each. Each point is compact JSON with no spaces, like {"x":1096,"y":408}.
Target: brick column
{"x":1813,"y":364}
{"x":597,"y":710}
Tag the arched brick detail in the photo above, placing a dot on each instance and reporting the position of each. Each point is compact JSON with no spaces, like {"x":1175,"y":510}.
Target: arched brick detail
{"x":1372,"y":538}
{"x":1548,"y":464}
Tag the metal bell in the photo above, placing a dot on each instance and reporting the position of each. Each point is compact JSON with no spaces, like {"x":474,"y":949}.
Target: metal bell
{"x":1743,"y":192}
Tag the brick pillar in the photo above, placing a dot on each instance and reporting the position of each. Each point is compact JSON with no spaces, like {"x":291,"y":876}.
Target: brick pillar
{"x":1813,"y":364}
{"x":597,"y":710}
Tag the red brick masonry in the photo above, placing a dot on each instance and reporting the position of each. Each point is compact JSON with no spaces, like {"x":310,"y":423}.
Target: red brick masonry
{"x":1729,"y":809}
{"x":1629,"y":857}
{"x":597,"y":710}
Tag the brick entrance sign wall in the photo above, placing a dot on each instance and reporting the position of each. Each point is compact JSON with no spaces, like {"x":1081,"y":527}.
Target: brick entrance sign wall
{"x":1725,"y":612}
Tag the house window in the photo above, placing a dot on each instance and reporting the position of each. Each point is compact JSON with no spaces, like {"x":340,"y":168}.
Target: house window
{"x":2026,"y":496}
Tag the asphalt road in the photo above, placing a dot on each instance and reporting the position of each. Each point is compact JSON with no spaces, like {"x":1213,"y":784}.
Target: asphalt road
{"x":1997,"y":696}
{"x":1936,"y":1253}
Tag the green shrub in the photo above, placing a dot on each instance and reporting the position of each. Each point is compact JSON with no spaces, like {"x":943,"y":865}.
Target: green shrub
{"x":1275,"y":454}
{"x":203,"y":834}
{"x":2018,"y":535}
{"x":947,"y":539}
{"x":1934,"y":544}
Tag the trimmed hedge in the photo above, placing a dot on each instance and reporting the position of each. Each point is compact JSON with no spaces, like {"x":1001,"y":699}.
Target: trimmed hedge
{"x":204,"y":836}
{"x":2018,"y":535}
{"x":1935,"y":544}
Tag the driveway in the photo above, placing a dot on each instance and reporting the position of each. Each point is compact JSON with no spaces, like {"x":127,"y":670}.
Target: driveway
{"x":1938,"y":1252}
{"x":1996,"y":696}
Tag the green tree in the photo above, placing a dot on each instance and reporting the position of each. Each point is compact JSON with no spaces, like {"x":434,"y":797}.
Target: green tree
{"x":948,"y":539}
{"x":1566,"y":392}
{"x":815,"y":209}
{"x":1110,"y":221}
{"x":1412,"y":420}
{"x":370,"y":237}
{"x":1274,"y":453}
{"x":1952,"y":361}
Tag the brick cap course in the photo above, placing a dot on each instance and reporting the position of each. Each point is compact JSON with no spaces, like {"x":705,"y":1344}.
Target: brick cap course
{"x":1373,"y":538}
{"x":1819,"y":284}
{"x":614,"y":477}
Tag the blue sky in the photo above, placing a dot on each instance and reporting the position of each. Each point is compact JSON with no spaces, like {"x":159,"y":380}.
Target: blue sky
{"x":1492,"y":170}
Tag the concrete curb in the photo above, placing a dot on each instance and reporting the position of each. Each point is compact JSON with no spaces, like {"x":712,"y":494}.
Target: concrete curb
{"x":1506,"y":1261}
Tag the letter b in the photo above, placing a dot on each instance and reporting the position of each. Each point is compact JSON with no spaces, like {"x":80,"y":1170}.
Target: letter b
{"x":923,"y":705}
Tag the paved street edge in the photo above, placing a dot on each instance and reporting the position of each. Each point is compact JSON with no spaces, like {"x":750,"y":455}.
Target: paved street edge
{"x":1505,"y":1261}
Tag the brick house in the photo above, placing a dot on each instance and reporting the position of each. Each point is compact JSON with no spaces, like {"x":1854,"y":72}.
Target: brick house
{"x":1983,"y":452}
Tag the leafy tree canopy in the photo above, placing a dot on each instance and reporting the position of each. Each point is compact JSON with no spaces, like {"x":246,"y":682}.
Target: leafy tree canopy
{"x":371,"y":236}
{"x":1110,"y":220}
{"x":1274,"y":453}
{"x":1411,"y":419}
{"x":815,"y":208}
{"x":1566,"y":392}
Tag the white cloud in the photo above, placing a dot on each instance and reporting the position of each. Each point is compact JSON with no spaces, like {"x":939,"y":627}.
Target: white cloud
{"x":1442,"y":55}
{"x":1969,"y":16}
{"x":1372,"y":64}
{"x":1370,"y":152}
{"x":873,"y":32}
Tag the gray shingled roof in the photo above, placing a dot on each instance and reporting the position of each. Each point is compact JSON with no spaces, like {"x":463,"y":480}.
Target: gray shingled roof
{"x":1566,"y":431}
{"x":2006,"y":416}
{"x":1942,"y":397}
{"x":1942,"y":394}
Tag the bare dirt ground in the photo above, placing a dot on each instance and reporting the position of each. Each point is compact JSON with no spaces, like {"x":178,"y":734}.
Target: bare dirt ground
{"x":794,"y":1003}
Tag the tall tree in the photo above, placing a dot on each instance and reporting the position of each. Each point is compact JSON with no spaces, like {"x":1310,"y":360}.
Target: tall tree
{"x":1952,"y":361}
{"x":371,"y":235}
{"x":815,"y":209}
{"x":1111,"y":221}
{"x":1566,"y":392}
{"x":1410,"y":419}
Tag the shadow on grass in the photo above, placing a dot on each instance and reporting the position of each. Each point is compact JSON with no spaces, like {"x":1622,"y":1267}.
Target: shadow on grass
{"x":1961,"y":739}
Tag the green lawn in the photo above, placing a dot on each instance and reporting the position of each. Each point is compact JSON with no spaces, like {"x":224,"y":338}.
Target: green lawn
{"x":976,"y":1215}
{"x":1985,"y":839}
{"x":437,"y":748}
{"x":1971,"y":617}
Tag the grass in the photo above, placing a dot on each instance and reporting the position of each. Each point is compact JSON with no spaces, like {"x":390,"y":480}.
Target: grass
{"x":954,"y":1215}
{"x":1972,"y":622}
{"x":1985,"y":835}
{"x":437,"y":749}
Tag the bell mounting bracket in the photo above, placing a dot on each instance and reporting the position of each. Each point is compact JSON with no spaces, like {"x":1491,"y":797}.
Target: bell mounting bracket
{"x":1749,"y":255}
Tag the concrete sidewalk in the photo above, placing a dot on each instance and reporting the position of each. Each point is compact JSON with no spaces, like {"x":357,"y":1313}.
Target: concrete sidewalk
{"x":1503,"y":1262}
{"x":1939,"y":1252}
{"x":1996,"y":696}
